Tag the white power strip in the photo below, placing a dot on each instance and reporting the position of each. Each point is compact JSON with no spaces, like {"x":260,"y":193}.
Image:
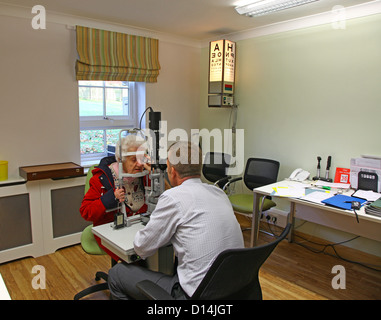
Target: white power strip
{"x":276,"y":217}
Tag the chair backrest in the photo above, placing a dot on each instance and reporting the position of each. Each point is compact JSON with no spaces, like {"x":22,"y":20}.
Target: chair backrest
{"x":260,"y":172}
{"x":88,"y":177}
{"x":234,"y":273}
{"x":215,"y":165}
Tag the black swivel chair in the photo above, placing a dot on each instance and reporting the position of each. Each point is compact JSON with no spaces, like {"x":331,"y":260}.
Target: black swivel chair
{"x":232,"y":276}
{"x":258,"y":172}
{"x":214,"y":168}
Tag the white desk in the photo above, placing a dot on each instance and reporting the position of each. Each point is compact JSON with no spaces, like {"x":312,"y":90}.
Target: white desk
{"x":369,"y":226}
{"x":121,"y":242}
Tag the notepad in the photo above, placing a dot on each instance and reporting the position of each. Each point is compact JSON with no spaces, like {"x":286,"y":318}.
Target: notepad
{"x":367,"y":194}
{"x":341,"y":201}
{"x":374,"y":208}
{"x":317,"y":196}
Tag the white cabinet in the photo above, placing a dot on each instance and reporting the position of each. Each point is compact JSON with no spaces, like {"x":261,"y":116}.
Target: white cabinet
{"x":39,"y":217}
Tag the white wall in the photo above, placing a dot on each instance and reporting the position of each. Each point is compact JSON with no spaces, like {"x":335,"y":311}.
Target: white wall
{"x":39,"y":121}
{"x":39,"y":105}
{"x":177,"y":92}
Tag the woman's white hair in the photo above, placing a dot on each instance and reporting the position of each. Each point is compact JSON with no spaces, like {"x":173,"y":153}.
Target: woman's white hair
{"x":128,"y":142}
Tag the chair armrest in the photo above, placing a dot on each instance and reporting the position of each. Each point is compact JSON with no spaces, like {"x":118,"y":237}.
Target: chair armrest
{"x":231,"y":181}
{"x":152,"y":291}
{"x":222,"y":181}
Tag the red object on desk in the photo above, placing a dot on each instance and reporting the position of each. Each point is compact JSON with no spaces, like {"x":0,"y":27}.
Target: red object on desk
{"x":342,"y":175}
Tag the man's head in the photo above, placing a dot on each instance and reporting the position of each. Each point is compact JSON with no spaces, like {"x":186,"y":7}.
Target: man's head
{"x":184,"y":162}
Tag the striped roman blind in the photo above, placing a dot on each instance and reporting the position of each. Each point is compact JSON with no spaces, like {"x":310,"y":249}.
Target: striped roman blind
{"x":113,"y":56}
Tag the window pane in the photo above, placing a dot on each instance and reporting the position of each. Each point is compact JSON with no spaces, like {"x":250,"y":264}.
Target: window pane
{"x":116,"y":102}
{"x":90,"y":83}
{"x":112,"y":136}
{"x":90,"y":101}
{"x":92,"y":141}
{"x":98,"y":100}
{"x":116,"y":84}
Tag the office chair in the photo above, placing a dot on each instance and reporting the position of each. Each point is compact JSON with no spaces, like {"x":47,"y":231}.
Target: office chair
{"x":258,"y":172}
{"x":214,"y":168}
{"x":90,"y":246}
{"x":232,"y":276}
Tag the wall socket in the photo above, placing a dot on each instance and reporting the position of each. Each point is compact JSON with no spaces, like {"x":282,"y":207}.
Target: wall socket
{"x":276,"y":217}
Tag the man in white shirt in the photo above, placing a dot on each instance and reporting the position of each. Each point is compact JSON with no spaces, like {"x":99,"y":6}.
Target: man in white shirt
{"x":196,"y":218}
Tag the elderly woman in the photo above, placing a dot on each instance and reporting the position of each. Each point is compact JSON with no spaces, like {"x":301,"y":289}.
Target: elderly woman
{"x":105,"y":192}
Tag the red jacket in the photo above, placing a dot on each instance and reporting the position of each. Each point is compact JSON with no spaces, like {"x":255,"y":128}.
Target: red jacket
{"x":100,"y":197}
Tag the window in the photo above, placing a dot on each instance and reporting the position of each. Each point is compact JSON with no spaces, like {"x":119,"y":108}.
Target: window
{"x":106,"y":107}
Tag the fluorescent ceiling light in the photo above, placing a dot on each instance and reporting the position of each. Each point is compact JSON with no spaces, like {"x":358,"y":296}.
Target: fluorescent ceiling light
{"x":262,"y":7}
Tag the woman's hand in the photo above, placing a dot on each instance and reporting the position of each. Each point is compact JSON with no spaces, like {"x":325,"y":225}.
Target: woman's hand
{"x":147,"y":166}
{"x":119,"y":194}
{"x":146,"y":162}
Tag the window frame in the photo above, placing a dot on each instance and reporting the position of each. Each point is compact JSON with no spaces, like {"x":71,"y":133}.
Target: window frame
{"x":136,"y":103}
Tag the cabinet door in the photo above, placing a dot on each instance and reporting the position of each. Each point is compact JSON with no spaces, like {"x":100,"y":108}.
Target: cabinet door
{"x":15,"y":225}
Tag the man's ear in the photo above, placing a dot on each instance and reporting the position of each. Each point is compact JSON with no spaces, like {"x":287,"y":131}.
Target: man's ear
{"x":175,"y":175}
{"x":174,"y":172}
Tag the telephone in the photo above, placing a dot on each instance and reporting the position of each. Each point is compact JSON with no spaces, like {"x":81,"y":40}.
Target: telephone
{"x":299,"y":175}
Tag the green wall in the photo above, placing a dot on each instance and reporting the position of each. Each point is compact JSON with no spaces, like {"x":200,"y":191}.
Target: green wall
{"x":304,"y":93}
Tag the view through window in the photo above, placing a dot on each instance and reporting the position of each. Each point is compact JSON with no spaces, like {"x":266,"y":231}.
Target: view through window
{"x":105,"y":107}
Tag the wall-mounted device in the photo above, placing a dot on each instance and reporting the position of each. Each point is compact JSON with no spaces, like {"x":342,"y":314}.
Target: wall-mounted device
{"x":219,"y":100}
{"x":221,"y":73}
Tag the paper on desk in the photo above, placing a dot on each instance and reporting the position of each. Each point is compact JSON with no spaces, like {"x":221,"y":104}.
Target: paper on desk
{"x":321,"y":183}
{"x":367,"y":194}
{"x":317,"y":196}
{"x":290,"y":191}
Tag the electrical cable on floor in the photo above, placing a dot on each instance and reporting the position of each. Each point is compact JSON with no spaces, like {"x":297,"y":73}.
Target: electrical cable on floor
{"x":272,"y":231}
{"x":332,"y":245}
{"x":325,"y":246}
{"x":337,"y":255}
{"x":260,"y":230}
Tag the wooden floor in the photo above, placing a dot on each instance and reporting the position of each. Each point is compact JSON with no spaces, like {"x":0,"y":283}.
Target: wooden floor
{"x":290,"y":273}
{"x":294,"y":273}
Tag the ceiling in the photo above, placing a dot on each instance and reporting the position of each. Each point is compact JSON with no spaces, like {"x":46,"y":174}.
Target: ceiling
{"x":192,"y":19}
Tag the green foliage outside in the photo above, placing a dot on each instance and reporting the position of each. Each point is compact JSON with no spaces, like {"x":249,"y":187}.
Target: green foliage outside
{"x":92,"y":141}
